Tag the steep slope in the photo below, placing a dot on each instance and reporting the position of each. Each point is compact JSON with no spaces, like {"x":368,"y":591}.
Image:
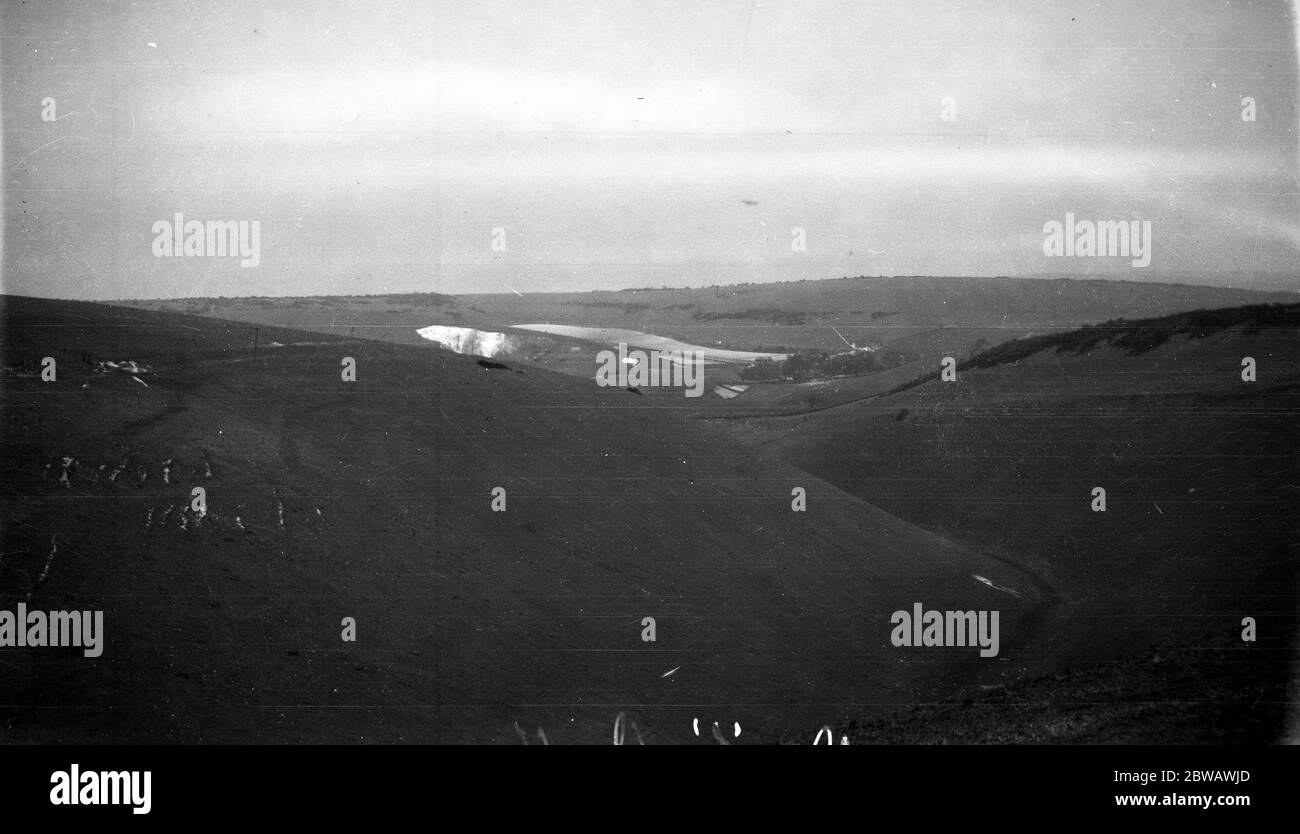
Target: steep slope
{"x":372,"y":500}
{"x":1199,"y":467}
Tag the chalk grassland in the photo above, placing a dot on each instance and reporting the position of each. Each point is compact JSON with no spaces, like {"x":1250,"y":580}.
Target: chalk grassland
{"x":371,"y":500}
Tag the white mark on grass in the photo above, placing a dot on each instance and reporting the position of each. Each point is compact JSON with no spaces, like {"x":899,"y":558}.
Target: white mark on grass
{"x":669,"y":672}
{"x":63,"y":477}
{"x":830,"y":737}
{"x":716,"y":730}
{"x":148,"y":521}
{"x":997,"y":587}
{"x":280,"y":508}
{"x":620,"y":733}
{"x":45,"y":571}
{"x":141,"y":381}
{"x":167,"y":471}
{"x":1157,"y":506}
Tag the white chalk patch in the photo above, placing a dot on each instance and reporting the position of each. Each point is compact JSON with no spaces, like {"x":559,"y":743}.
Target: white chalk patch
{"x":1012,"y":591}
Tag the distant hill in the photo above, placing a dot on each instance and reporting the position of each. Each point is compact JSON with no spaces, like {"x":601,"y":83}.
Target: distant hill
{"x":919,"y":314}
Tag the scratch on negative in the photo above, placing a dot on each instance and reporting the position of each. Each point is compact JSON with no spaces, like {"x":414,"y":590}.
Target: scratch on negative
{"x":33,"y":153}
{"x":49,"y":560}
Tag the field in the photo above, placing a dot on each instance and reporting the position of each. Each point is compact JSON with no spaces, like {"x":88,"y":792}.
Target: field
{"x":928,"y":317}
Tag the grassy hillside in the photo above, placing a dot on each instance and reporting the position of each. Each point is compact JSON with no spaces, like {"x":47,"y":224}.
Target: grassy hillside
{"x":1201,"y":478}
{"x":371,"y":499}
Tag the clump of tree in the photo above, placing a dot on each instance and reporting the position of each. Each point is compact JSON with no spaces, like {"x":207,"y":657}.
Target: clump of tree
{"x":762,"y":369}
{"x":807,"y":365}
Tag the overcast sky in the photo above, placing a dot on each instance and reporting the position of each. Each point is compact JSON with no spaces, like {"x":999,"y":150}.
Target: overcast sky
{"x":379,"y":144}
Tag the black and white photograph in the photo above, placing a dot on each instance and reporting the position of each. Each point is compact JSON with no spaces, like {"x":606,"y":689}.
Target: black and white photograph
{"x":887,"y":375}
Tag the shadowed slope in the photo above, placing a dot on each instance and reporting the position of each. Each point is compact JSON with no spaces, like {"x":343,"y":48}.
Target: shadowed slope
{"x":1200,"y":472}
{"x":371,"y":500}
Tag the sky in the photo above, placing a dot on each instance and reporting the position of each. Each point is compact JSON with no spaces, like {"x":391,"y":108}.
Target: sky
{"x":462,"y":147}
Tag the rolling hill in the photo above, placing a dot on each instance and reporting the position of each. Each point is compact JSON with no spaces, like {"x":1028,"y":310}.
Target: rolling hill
{"x":1147,"y":597}
{"x":372,"y":500}
{"x":922,"y":316}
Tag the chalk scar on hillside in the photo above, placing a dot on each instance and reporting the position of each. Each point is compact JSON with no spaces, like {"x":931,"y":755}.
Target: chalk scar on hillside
{"x":1012,"y":591}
